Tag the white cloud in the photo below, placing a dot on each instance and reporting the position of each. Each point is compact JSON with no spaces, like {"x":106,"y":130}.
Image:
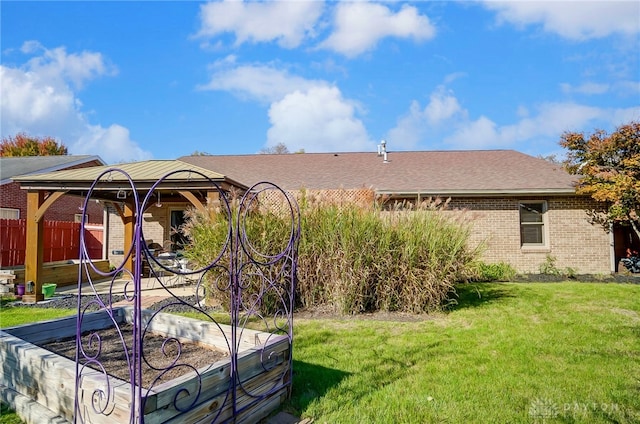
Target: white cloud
{"x":29,"y":101}
{"x":260,"y":82}
{"x":113,"y":143}
{"x":288,"y":23}
{"x":39,"y":99}
{"x":304,"y":114}
{"x":577,"y":20}
{"x":317,"y":120}
{"x":419,"y":122}
{"x":550,"y":121}
{"x":442,"y":106}
{"x":586,"y":88}
{"x":444,"y":124}
{"x":56,"y":64}
{"x":360,"y":25}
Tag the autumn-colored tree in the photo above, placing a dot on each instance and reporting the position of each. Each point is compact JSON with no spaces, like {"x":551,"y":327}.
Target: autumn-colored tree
{"x":609,"y":170}
{"x":24,"y":145}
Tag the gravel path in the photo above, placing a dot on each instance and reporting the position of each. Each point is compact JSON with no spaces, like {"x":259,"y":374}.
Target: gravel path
{"x":170,"y":304}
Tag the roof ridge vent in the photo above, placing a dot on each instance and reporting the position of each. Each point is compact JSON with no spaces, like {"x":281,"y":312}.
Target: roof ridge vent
{"x":382,"y":151}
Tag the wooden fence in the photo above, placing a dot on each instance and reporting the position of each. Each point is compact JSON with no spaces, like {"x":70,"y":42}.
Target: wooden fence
{"x":61,"y":241}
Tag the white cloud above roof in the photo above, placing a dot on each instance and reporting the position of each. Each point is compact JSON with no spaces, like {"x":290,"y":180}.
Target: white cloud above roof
{"x":40,"y":98}
{"x":443,"y":108}
{"x":576,"y":20}
{"x":317,"y":120}
{"x":261,"y":82}
{"x":287,"y":23}
{"x":354,"y":27}
{"x":359,"y":26}
{"x":304,"y":114}
{"x":549,"y":120}
{"x":56,"y":63}
{"x":445,"y":123}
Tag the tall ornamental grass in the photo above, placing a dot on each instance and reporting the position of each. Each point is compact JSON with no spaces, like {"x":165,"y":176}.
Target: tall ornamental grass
{"x":357,"y":258}
{"x":363,"y":259}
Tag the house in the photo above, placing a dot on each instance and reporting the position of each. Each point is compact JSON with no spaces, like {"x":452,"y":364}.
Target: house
{"x":523,"y":209}
{"x":13,"y":200}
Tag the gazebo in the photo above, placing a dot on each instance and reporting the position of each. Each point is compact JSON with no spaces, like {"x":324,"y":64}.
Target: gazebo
{"x":180,"y":181}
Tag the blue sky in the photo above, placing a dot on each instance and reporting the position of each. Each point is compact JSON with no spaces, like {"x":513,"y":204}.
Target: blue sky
{"x":140,"y":80}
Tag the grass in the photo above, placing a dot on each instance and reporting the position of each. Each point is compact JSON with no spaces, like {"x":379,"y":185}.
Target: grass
{"x":507,"y":353}
{"x":16,"y":316}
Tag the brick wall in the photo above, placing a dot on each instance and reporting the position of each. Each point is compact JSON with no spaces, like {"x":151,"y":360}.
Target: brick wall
{"x":573,"y":241}
{"x":156,"y":229}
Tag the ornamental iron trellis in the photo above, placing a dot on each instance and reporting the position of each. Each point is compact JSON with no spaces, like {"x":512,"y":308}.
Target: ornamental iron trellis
{"x":259,"y":286}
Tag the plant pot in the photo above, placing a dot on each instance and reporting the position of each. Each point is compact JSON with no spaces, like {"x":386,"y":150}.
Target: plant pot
{"x":20,"y":290}
{"x":48,"y":290}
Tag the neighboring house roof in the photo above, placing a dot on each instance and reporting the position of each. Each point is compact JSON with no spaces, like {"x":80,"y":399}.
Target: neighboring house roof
{"x":22,"y":165}
{"x":144,"y":175}
{"x":406,"y":173}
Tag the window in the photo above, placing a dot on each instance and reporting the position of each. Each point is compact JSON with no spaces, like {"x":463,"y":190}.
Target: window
{"x":9,"y":213}
{"x":78,"y":218}
{"x":532,"y":223}
{"x":178,"y":238}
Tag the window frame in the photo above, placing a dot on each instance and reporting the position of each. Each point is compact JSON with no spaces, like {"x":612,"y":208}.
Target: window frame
{"x":543,"y":224}
{"x":4,"y":210}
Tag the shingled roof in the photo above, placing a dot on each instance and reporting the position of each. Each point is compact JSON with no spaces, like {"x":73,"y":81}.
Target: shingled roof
{"x":22,"y":165}
{"x":478,"y":172}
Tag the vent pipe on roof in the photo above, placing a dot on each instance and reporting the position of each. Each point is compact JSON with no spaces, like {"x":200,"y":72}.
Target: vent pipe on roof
{"x":382,"y":151}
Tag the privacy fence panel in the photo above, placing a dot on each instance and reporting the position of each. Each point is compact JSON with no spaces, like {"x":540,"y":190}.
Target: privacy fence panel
{"x":61,"y":241}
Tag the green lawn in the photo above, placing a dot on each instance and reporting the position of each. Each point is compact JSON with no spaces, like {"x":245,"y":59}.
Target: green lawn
{"x":507,"y":353}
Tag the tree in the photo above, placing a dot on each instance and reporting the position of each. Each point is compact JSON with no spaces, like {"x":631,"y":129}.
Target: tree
{"x":553,"y":158}
{"x":24,"y":145}
{"x":278,"y":149}
{"x":609,"y":170}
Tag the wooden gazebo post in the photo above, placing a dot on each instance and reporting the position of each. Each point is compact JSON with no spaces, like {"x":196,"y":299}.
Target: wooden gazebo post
{"x":129,"y":221}
{"x":34,"y":253}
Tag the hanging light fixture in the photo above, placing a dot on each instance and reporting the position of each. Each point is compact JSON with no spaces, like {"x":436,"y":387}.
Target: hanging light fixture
{"x":158,"y":204}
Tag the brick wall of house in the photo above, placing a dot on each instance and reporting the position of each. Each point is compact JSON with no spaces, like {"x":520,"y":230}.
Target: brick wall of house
{"x":573,"y":241}
{"x":63,"y":209}
{"x":156,"y":229}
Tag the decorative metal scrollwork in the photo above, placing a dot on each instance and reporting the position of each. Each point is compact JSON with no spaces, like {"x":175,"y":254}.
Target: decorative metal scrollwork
{"x":259,"y":285}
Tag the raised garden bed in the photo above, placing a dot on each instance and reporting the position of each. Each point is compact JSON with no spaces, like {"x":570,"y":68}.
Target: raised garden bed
{"x":63,"y":273}
{"x":30,"y":371}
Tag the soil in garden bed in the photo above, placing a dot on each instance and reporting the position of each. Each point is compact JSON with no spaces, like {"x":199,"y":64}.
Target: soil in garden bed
{"x":159,"y":353}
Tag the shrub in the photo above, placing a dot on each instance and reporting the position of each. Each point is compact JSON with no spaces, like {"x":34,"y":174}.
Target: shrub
{"x":500,"y":271}
{"x":358,"y":258}
{"x":548,"y":267}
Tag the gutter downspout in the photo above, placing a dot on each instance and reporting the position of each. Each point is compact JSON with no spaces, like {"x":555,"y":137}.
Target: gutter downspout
{"x":612,"y":249}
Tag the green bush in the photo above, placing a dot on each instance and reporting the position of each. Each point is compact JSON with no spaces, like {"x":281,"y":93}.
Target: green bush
{"x":500,"y":271}
{"x":354,"y":258}
{"x":548,"y":267}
